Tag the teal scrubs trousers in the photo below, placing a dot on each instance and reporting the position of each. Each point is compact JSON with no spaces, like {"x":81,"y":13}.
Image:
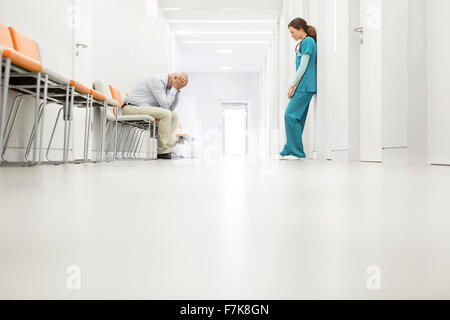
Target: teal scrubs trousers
{"x":297,"y":110}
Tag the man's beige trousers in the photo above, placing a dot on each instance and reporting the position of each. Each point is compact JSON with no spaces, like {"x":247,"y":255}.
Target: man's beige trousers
{"x":167,"y":126}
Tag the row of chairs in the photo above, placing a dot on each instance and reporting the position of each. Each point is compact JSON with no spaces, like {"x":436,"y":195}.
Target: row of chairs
{"x":22,"y":71}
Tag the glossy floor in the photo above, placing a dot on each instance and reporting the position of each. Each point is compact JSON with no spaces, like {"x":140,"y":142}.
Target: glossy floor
{"x":229,"y":230}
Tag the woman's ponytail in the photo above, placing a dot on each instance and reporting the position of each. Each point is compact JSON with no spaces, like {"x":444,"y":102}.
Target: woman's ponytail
{"x":312,"y":32}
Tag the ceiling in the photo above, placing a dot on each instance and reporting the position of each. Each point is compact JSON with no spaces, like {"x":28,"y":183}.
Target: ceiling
{"x":204,"y":26}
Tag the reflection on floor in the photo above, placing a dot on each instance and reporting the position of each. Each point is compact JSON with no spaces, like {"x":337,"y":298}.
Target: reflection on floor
{"x":156,"y":230}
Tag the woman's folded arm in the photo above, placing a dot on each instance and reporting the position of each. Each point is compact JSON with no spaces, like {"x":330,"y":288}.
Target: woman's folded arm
{"x":301,"y":69}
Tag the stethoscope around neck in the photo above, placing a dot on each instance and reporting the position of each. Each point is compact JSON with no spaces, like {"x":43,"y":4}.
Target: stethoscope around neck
{"x":297,"y":47}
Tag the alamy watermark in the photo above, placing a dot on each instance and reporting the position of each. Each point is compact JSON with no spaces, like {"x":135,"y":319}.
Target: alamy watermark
{"x":374,"y":279}
{"x":74,"y":278}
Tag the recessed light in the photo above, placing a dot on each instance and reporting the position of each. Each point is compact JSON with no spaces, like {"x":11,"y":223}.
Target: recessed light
{"x":222,"y":21}
{"x":225,"y":42}
{"x":226,"y":68}
{"x":224,"y":51}
{"x":223,"y":32}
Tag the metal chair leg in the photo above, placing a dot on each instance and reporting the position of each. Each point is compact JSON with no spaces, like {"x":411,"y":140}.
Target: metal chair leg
{"x":138,"y":141}
{"x":150,"y":143}
{"x":126,"y":141}
{"x":87,"y":129}
{"x":70,"y":119}
{"x":141,"y":132}
{"x":33,"y":135}
{"x":108,"y":142}
{"x":133,"y":142}
{"x":65,"y":118}
{"x":155,"y":142}
{"x":132,"y":153}
{"x":4,"y":96}
{"x":53,"y":134}
{"x":17,"y":103}
{"x":119,"y":142}
{"x":41,"y":133}
{"x":117,"y":137}
{"x":115,"y":134}
{"x":126,"y":147}
{"x":102,"y":143}
{"x":36,"y":114}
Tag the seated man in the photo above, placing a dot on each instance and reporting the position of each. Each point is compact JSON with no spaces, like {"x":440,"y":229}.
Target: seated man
{"x":158,"y":96}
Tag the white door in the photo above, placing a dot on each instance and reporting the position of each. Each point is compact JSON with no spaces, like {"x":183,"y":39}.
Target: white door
{"x":371,"y":136}
{"x":235,"y":129}
{"x":82,"y":67}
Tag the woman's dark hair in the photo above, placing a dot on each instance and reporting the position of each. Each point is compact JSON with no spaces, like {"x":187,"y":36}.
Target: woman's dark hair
{"x":299,"y":24}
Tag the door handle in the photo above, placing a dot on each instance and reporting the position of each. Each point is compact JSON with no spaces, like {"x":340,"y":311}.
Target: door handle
{"x":360,"y":30}
{"x":78,"y":47}
{"x":81,"y":46}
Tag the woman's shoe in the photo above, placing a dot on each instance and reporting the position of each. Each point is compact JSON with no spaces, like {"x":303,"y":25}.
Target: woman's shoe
{"x":278,"y":157}
{"x":293,"y":158}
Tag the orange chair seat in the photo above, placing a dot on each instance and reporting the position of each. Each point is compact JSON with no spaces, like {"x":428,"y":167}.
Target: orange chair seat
{"x":79,"y":87}
{"x":115,"y":93}
{"x":22,"y":61}
{"x":98,"y":96}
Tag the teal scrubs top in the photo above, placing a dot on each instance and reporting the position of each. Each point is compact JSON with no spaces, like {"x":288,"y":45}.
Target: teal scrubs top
{"x":309,"y":80}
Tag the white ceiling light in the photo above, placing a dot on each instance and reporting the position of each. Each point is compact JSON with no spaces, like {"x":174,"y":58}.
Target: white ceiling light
{"x":224,"y":51}
{"x":222,"y":21}
{"x":224,"y":42}
{"x":226,"y":68}
{"x":171,"y":9}
{"x":221,"y":32}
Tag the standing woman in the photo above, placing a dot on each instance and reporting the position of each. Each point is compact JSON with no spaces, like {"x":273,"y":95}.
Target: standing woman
{"x":302,"y":89}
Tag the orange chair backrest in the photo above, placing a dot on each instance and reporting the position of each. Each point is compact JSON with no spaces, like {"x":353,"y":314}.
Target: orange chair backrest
{"x":5,"y":37}
{"x":24,"y":44}
{"x":115,"y":93}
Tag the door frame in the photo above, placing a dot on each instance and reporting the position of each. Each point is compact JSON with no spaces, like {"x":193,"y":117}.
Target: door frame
{"x":222,"y":104}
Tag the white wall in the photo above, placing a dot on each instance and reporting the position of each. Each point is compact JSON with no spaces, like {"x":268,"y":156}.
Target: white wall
{"x":439,"y":84}
{"x":208,"y":89}
{"x":132,"y":40}
{"x":46,"y":21}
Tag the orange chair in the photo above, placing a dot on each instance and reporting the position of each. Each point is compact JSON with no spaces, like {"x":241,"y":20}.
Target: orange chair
{"x":57,"y":90}
{"x":22,"y":72}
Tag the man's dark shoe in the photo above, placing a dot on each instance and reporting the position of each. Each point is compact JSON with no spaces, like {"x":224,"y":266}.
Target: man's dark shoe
{"x":169,"y":156}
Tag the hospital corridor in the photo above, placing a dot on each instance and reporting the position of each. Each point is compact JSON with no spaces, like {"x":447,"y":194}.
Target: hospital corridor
{"x":224,"y":150}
